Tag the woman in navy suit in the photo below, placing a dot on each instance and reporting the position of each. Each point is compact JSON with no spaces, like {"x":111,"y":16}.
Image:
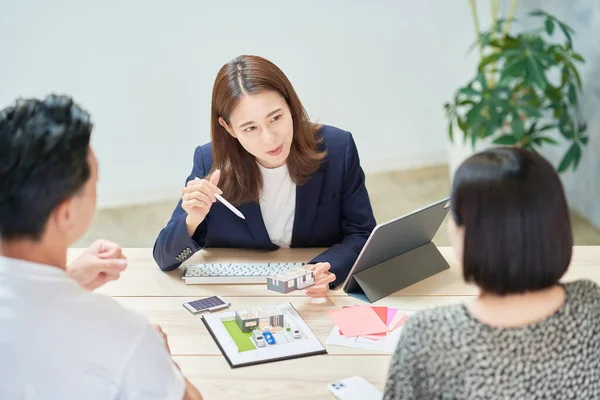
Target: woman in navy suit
{"x":297,"y":183}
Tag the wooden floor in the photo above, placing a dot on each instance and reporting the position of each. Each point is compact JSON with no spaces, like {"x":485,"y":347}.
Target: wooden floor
{"x":392,"y":194}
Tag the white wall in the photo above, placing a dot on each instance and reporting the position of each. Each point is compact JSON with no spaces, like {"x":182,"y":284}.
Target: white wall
{"x":145,"y":69}
{"x":583,"y":185}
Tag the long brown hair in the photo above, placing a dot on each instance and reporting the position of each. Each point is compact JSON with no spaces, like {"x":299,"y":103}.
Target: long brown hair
{"x":241,"y":180}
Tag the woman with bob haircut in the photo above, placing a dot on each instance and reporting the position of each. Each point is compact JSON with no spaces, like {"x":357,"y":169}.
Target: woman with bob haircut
{"x":297,"y":183}
{"x":526,"y":336}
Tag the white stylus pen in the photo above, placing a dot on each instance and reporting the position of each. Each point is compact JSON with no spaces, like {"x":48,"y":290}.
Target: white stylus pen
{"x":228,"y":205}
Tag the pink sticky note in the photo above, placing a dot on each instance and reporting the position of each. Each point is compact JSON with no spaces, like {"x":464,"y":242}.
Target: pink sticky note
{"x":399,"y":323}
{"x":339,"y":330}
{"x":392,"y":324}
{"x":358,"y":321}
{"x":380,"y":311}
{"x":391,"y":312}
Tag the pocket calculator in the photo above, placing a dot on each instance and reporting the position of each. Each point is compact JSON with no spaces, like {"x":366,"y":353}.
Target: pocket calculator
{"x":212,"y":303}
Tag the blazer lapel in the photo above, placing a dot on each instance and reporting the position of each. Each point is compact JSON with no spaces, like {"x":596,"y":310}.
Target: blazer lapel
{"x":256,"y":225}
{"x":307,"y":200}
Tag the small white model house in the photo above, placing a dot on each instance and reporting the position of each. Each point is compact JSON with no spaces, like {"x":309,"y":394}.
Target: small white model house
{"x":267,"y":318}
{"x":293,"y":279}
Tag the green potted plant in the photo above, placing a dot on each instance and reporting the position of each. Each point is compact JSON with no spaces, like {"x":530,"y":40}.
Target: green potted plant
{"x":526,"y":85}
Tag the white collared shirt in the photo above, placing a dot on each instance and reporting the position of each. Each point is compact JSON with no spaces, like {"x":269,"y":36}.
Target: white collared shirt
{"x":59,"y":341}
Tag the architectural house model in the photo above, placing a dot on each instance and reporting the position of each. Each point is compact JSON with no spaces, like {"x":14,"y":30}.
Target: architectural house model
{"x":268,"y":318}
{"x":293,"y":279}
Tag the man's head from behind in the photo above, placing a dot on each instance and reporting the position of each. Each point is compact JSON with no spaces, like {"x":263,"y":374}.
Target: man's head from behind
{"x":48,"y":172}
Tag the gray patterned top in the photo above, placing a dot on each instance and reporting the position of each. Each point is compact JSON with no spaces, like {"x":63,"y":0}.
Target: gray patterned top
{"x":445,"y":353}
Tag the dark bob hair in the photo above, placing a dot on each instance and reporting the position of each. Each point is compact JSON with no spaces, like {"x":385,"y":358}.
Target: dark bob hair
{"x":512,"y":206}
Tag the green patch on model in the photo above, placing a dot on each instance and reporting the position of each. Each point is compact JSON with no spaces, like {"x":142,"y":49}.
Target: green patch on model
{"x":241,"y":339}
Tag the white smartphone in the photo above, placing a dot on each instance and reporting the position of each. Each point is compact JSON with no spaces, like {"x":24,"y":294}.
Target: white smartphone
{"x":354,"y":388}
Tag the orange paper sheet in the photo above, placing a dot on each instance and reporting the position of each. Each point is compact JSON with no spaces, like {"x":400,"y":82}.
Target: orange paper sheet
{"x":381,"y":313}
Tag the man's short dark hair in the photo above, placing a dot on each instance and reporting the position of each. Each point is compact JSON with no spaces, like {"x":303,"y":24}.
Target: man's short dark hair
{"x":43,"y":161}
{"x":517,"y":227}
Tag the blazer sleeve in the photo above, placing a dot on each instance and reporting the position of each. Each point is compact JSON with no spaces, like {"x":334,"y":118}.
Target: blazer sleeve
{"x":357,"y":222}
{"x":173,"y":245}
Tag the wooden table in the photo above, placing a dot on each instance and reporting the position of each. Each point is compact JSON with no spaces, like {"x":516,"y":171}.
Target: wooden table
{"x":143,"y":287}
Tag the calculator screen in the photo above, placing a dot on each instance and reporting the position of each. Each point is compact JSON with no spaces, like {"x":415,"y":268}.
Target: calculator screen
{"x":204,"y":304}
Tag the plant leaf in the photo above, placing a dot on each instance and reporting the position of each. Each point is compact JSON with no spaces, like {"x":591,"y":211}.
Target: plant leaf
{"x":564,"y":77}
{"x":490,"y":129}
{"x":565,"y":30}
{"x":501,"y":21}
{"x":492,"y":109}
{"x":488,"y":60}
{"x":531,"y":99}
{"x":469,"y":91}
{"x":546,"y":127}
{"x":511,"y":53}
{"x":557,"y":53}
{"x":584,"y":140}
{"x":572,"y":93}
{"x":530,"y":111}
{"x":545,"y":57}
{"x":534,"y":43}
{"x":535,"y":71}
{"x":481,"y":79}
{"x":567,"y":27}
{"x":512,"y":70}
{"x":578,"y":57}
{"x":450,"y":131}
{"x":566,"y":125}
{"x":577,"y":158}
{"x":473,"y":139}
{"x":571,"y":66}
{"x":569,"y":158}
{"x":544,"y":139}
{"x":484,"y":39}
{"x":531,"y":129}
{"x":549,"y":26}
{"x":508,"y":42}
{"x":537,"y":13}
{"x":527,"y":145}
{"x":461,"y":124}
{"x":516,"y":124}
{"x":506,"y":140}
{"x":474,"y":116}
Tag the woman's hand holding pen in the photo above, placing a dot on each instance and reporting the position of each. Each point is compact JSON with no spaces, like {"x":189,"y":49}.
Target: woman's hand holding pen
{"x":197,"y":199}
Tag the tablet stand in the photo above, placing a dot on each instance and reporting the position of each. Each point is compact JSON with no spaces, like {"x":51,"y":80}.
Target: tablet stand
{"x":399,"y":272}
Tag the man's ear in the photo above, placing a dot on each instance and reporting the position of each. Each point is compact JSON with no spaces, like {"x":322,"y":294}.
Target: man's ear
{"x":63,"y":216}
{"x":224,"y":124}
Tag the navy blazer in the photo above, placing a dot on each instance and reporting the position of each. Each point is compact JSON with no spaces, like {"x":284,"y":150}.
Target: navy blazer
{"x":332,"y":210}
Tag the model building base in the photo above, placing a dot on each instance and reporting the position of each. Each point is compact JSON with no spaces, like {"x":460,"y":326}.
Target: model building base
{"x":252,"y":336}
